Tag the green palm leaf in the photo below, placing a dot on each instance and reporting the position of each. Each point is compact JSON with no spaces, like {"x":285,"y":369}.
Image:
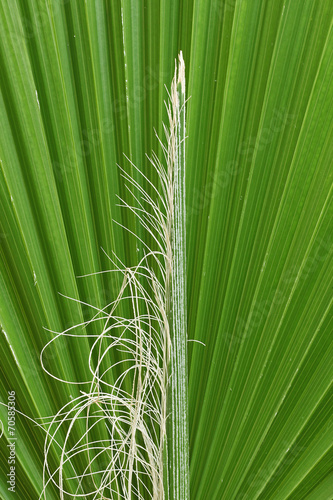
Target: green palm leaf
{"x":82,"y":84}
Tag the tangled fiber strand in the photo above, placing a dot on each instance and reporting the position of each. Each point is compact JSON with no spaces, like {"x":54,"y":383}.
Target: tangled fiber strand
{"x":120,"y":454}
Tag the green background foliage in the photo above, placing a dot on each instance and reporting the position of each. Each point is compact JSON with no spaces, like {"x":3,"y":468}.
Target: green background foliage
{"x":82,"y":83}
